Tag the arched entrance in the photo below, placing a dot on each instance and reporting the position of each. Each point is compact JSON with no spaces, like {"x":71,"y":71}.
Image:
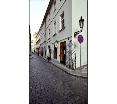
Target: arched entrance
{"x":63,"y":52}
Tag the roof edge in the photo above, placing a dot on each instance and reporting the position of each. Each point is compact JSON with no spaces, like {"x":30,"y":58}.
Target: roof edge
{"x":46,"y":13}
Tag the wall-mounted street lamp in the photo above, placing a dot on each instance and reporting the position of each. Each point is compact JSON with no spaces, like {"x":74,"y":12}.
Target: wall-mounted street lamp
{"x":81,"y":25}
{"x":80,"y":37}
{"x":81,"y":22}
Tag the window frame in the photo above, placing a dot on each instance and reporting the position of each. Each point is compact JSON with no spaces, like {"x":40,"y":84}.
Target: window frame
{"x":54,"y":5}
{"x":62,"y":22}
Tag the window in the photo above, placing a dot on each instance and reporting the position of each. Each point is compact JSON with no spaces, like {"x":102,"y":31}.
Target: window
{"x":49,"y":31}
{"x":54,"y":2}
{"x":54,"y":5}
{"x":62,"y":26}
{"x":54,"y":28}
{"x":48,"y":34}
{"x":54,"y":23}
{"x":49,"y":16}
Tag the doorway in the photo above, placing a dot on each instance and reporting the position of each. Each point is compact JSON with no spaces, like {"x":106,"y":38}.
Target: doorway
{"x":55,"y":52}
{"x":49,"y":51}
{"x":63,"y":52}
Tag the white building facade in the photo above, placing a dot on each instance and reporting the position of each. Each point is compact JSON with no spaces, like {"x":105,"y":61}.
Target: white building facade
{"x":36,"y":41}
{"x":57,"y":30}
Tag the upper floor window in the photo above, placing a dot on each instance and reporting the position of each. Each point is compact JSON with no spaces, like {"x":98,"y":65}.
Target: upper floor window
{"x":62,"y":25}
{"x":54,"y":2}
{"x":54,"y":23}
{"x":49,"y":31}
{"x":48,"y":37}
{"x":54,"y":28}
{"x":49,"y":16}
{"x":54,"y":5}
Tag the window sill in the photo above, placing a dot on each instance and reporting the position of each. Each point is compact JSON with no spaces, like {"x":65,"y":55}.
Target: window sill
{"x":62,"y":29}
{"x":48,"y":38}
{"x":54,"y":34}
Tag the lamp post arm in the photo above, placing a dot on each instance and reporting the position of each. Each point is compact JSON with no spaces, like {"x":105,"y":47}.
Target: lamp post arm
{"x":78,"y":32}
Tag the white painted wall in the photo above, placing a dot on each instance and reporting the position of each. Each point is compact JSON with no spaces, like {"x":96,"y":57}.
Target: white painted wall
{"x":79,"y":8}
{"x":42,"y":33}
{"x":73,"y":10}
{"x":55,"y":16}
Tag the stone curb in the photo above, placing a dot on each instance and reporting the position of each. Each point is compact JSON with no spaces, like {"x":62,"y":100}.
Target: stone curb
{"x":65,"y":69}
{"x":69,"y":71}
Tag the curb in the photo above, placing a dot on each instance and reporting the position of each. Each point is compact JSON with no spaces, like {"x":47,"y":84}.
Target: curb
{"x":67,"y":71}
{"x":63,"y":68}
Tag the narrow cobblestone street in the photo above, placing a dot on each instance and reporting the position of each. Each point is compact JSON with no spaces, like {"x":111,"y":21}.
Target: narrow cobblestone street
{"x":51,"y":85}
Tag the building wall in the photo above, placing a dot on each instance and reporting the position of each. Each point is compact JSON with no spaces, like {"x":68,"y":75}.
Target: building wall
{"x":36,"y":41}
{"x":42,"y":34}
{"x":79,"y":8}
{"x":73,"y":10}
{"x":63,"y":5}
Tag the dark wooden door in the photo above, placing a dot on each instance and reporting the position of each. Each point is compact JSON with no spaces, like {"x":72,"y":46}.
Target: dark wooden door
{"x":63,"y":52}
{"x":55,"y":52}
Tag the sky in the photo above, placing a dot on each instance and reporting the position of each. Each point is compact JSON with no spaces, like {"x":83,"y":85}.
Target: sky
{"x":37,"y":11}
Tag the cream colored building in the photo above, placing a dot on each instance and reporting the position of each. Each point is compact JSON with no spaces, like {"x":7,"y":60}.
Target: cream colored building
{"x":57,"y":30}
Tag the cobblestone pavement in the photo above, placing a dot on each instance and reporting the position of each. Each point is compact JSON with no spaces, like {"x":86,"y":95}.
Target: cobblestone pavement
{"x":50,"y":85}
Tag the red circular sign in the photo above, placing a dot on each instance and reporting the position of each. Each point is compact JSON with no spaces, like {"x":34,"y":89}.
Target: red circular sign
{"x":80,"y":39}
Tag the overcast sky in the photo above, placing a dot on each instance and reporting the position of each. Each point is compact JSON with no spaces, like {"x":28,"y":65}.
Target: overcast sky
{"x":37,"y":11}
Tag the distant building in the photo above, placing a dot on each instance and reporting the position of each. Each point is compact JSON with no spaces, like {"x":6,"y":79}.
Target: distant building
{"x":42,"y":33}
{"x":36,"y":42}
{"x":32,"y":46}
{"x":57,"y":30}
